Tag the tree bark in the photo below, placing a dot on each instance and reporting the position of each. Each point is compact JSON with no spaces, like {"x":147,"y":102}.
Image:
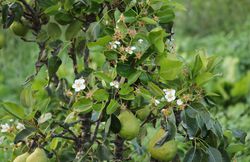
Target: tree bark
{"x":119,"y":148}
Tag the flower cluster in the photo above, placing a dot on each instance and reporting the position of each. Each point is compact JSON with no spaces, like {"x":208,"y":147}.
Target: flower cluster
{"x":5,"y":128}
{"x":170,"y":95}
{"x":114,"y":45}
{"x":130,"y":50}
{"x":115,"y":84}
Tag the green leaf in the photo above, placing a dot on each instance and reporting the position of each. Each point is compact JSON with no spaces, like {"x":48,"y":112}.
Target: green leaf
{"x":124,"y":69}
{"x":63,"y":18}
{"x":170,"y":68}
{"x":112,"y":107}
{"x":13,"y":109}
{"x":234,"y":148}
{"x":156,"y":37}
{"x":54,"y":30}
{"x":148,"y":20}
{"x":98,"y":106}
{"x":190,"y":124}
{"x":103,"y":153}
{"x":83,"y":105}
{"x":130,"y":96}
{"x":101,"y":95}
{"x":130,"y":16}
{"x":145,"y":77}
{"x":125,"y":89}
{"x":155,"y":89}
{"x":200,"y":64}
{"x":93,"y":31}
{"x":73,"y":30}
{"x":194,"y":155}
{"x":53,"y":144}
{"x":26,"y":97}
{"x":98,"y":58}
{"x":214,"y":155}
{"x":203,"y":78}
{"x":102,"y":76}
{"x":52,"y":9}
{"x":165,"y":15}
{"x":133,"y":77}
{"x":54,"y":63}
{"x":23,"y":134}
{"x":68,"y":4}
{"x":144,"y":93}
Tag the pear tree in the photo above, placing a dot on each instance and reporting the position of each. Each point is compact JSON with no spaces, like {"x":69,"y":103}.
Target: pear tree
{"x":108,"y":85}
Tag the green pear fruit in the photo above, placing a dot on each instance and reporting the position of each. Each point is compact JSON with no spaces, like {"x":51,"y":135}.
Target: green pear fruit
{"x":21,"y":158}
{"x":38,"y":155}
{"x":143,"y":113}
{"x":130,"y":125}
{"x":166,"y":152}
{"x":2,"y":40}
{"x":19,"y":29}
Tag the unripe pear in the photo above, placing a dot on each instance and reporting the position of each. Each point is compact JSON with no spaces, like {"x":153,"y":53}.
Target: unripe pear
{"x":21,"y":158}
{"x":166,"y":152}
{"x":130,"y":125}
{"x":19,"y":29}
{"x":38,"y":155}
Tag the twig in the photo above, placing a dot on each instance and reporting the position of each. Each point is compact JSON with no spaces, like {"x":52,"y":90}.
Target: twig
{"x":119,"y":148}
{"x":33,"y":13}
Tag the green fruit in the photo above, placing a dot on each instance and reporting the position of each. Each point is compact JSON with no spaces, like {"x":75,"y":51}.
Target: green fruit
{"x":130,"y":125}
{"x":143,"y":113}
{"x":166,"y":152}
{"x":2,"y":40}
{"x":21,"y":158}
{"x":38,"y":155}
{"x":19,"y":29}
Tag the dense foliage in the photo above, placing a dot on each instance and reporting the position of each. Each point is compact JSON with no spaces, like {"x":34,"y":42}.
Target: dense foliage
{"x":107,"y":79}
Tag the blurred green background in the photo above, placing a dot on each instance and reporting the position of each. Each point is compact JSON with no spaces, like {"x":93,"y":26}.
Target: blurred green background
{"x":219,"y":28}
{"x":222,"y":28}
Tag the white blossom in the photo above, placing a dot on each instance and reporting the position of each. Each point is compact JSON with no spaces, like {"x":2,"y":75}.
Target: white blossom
{"x":179,"y":102}
{"x":169,"y":94}
{"x":140,"y":40}
{"x":20,"y":126}
{"x":114,"y":84}
{"x":117,"y":42}
{"x":79,"y":85}
{"x":156,"y":102}
{"x":1,"y":140}
{"x":114,"y":44}
{"x":130,"y":50}
{"x":44,"y":117}
{"x":5,"y":127}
